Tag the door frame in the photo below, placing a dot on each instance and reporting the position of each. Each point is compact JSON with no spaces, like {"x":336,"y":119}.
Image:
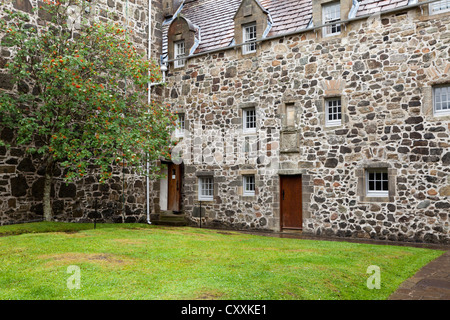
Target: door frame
{"x":280,"y":194}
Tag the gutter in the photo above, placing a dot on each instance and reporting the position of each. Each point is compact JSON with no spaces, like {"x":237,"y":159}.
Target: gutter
{"x":309,"y":28}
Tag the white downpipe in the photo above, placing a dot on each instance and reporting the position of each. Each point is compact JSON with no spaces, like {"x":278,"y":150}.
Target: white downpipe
{"x":150,"y":85}
{"x":149,"y":101}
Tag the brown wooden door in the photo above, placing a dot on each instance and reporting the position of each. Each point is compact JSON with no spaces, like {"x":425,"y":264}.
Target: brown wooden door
{"x":291,"y":202}
{"x":174,"y":187}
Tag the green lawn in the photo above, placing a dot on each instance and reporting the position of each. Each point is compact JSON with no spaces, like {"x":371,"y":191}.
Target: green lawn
{"x":137,"y":261}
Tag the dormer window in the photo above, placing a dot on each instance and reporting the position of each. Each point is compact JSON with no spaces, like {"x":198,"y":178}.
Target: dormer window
{"x":249,"y":34}
{"x":251,"y":22}
{"x":179,"y":51}
{"x":331,"y":13}
{"x":440,"y":6}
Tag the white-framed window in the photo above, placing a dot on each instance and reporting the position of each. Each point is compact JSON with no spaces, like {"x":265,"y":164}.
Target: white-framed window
{"x":179,"y":131}
{"x":249,"y":120}
{"x":179,"y":51}
{"x":377,"y":182}
{"x":439,"y":6}
{"x":331,"y":13}
{"x":206,"y":188}
{"x":249,"y":34}
{"x":333,"y":112}
{"x":249,"y":185}
{"x":441,"y":100}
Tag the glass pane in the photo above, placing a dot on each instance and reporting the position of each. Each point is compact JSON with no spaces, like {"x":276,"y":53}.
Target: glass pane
{"x":378,"y":185}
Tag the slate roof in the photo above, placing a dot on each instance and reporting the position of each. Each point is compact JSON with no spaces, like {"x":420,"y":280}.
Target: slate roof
{"x":374,"y":6}
{"x":214,"y":18}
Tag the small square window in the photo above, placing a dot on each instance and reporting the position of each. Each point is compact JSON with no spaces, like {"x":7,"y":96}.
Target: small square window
{"x":249,"y":34}
{"x":331,"y":13}
{"x":439,"y":7}
{"x":249,"y":185}
{"x":179,"y":51}
{"x":206,"y":189}
{"x":180,"y":127}
{"x":249,"y":119}
{"x":441,"y":100}
{"x":333,"y":112}
{"x":377,"y":183}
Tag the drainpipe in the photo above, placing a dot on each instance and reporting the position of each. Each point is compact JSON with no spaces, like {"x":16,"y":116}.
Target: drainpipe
{"x":150,"y":85}
{"x":149,"y":101}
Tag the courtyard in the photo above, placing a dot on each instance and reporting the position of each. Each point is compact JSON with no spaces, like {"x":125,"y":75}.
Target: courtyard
{"x":65,"y":261}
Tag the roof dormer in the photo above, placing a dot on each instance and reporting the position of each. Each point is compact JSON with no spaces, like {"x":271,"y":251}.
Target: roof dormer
{"x":181,"y":39}
{"x":250,"y":23}
{"x":329,"y":13}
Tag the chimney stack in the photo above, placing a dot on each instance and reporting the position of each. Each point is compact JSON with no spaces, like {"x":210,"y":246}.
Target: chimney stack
{"x":170,"y":7}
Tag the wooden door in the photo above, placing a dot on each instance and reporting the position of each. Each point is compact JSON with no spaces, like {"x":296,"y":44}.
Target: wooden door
{"x":291,"y":202}
{"x":174,"y":187}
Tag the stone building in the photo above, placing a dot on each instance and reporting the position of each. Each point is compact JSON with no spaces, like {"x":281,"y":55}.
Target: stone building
{"x":330,"y":117}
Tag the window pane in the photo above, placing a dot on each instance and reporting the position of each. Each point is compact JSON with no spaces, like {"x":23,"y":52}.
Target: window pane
{"x":250,"y":119}
{"x":250,"y":35}
{"x":442,"y":100}
{"x":377,"y":182}
{"x":179,"y":51}
{"x":249,"y":183}
{"x":206,"y":188}
{"x":333,"y":111}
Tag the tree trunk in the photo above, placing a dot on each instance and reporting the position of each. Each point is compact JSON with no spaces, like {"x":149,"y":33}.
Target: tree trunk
{"x":47,"y":193}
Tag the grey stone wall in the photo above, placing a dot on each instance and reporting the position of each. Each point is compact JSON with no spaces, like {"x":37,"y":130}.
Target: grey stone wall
{"x":123,"y":198}
{"x":384,"y":69}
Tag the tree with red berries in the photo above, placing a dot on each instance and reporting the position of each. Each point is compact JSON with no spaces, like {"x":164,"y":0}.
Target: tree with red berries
{"x":89,"y":105}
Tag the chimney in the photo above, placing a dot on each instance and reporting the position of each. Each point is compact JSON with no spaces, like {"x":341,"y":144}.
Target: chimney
{"x":170,"y":7}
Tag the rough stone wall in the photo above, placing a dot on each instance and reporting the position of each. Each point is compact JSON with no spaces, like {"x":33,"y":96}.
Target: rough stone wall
{"x":123,"y":198}
{"x":383,"y":69}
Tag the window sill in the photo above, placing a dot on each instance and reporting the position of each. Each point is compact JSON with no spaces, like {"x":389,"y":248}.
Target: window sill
{"x":376,"y":199}
{"x":435,"y":118}
{"x":332,"y":36}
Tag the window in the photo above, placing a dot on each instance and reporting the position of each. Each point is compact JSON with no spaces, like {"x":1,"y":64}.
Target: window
{"x":249,"y":185}
{"x":206,"y":189}
{"x":179,"y":50}
{"x":179,"y":131}
{"x":249,"y":35}
{"x":439,"y":6}
{"x":377,"y":183}
{"x":333,"y":112}
{"x":249,"y":124}
{"x":441,"y":100}
{"x":331,"y":13}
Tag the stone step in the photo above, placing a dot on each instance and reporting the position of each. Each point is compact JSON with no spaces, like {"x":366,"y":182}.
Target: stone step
{"x":174,"y":223}
{"x":169,"y":218}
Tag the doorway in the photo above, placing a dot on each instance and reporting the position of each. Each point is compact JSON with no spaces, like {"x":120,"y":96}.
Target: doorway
{"x":291,"y":216}
{"x":174,"y":187}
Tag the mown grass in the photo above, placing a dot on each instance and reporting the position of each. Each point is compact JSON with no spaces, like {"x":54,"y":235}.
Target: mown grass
{"x":136,"y":261}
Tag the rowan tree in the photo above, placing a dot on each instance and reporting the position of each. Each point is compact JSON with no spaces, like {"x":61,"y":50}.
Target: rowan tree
{"x":88,"y":106}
